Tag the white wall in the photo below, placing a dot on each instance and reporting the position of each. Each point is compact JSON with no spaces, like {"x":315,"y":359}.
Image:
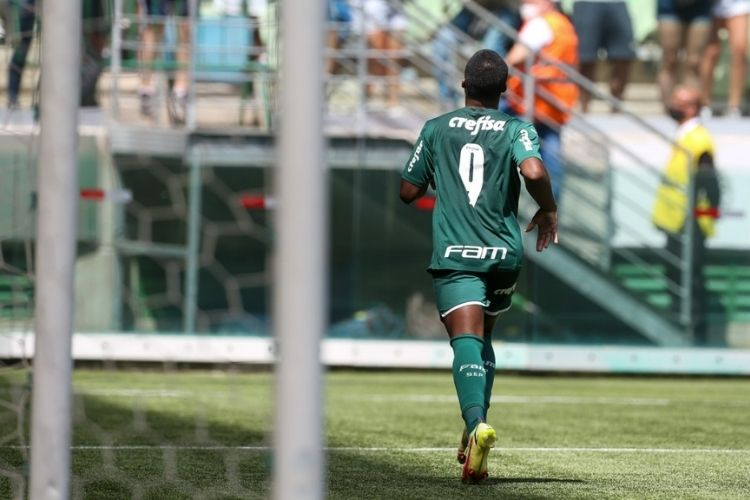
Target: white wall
{"x":634,"y":184}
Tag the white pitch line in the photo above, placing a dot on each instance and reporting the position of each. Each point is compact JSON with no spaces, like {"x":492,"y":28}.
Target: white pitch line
{"x":132,"y":393}
{"x":404,"y":450}
{"x":431,"y":398}
{"x":508,"y":399}
{"x":401,"y":398}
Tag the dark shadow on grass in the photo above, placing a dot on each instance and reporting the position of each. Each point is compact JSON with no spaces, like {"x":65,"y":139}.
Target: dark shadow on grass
{"x":532,"y":480}
{"x":166,"y":453}
{"x":163,"y":454}
{"x":177,"y":473}
{"x":123,"y":449}
{"x":418,"y":476}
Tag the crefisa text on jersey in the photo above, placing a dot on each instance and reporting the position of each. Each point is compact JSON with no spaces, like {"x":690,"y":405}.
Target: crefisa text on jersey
{"x":476,"y":252}
{"x":415,"y":158}
{"x":474,"y":126}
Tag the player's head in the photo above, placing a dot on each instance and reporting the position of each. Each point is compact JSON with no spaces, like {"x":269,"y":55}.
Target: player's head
{"x":684,"y":104}
{"x":485,"y":77}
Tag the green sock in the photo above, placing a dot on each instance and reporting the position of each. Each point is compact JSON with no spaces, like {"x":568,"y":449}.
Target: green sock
{"x":488,"y":357}
{"x":469,"y":377}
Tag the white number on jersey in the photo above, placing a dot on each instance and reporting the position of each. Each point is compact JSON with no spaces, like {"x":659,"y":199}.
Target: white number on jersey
{"x":471,"y":170}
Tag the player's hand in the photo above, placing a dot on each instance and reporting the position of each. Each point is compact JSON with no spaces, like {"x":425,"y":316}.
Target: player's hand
{"x":547,"y":224}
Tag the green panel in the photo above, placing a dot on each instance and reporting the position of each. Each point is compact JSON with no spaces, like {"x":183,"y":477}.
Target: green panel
{"x":88,"y":170}
{"x":645,"y":284}
{"x":18,"y":166}
{"x":727,"y":271}
{"x":660,"y":301}
{"x":728,"y":286}
{"x":16,"y":293}
{"x":18,"y":174}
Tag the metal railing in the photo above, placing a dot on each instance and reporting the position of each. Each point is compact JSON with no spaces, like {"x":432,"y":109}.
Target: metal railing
{"x":215,"y":90}
{"x":348,"y":97}
{"x":221,"y":51}
{"x":581,"y":122}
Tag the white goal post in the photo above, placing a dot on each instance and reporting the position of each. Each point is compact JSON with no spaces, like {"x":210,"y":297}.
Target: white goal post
{"x":51,"y":406}
{"x":300,"y":256}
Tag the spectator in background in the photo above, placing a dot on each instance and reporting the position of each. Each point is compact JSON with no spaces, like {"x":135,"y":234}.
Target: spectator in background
{"x":384,"y":26}
{"x":604,"y":25}
{"x":733,"y":16}
{"x":339,"y":18}
{"x":683,"y":25}
{"x":446,"y":44}
{"x":26,"y":18}
{"x":253,"y":11}
{"x":671,"y":208}
{"x":96,"y":28}
{"x":548,"y":37}
{"x":506,"y":11}
{"x":152,"y":35}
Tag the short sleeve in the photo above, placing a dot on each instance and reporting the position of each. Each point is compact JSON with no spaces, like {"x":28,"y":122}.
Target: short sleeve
{"x":419,"y":169}
{"x":536,"y":34}
{"x":525,"y":144}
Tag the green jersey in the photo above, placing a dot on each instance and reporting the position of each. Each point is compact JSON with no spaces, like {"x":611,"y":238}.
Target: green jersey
{"x":471,"y":157}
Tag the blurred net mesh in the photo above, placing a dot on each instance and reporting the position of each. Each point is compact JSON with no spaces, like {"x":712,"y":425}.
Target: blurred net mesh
{"x":184,"y":426}
{"x":17,"y":225}
{"x":163,"y":429}
{"x":232,"y":256}
{"x":159,"y":430}
{"x":155,"y":431}
{"x":174,"y":432}
{"x":18,"y":150}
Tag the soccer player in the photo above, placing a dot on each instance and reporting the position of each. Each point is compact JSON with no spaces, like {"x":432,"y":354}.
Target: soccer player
{"x":471,"y":157}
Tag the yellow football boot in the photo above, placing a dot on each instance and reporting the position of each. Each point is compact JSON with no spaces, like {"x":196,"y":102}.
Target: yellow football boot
{"x":481,"y":440}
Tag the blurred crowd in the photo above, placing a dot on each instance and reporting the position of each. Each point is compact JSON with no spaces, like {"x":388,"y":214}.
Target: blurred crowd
{"x":595,"y":37}
{"x":19,"y":20}
{"x":688,"y":32}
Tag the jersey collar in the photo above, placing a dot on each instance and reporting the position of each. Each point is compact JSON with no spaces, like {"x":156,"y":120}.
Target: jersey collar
{"x":686,"y":127}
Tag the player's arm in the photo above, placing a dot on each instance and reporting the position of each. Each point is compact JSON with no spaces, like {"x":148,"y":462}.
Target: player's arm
{"x":409,"y":192}
{"x":540,"y":188}
{"x":418,"y":171}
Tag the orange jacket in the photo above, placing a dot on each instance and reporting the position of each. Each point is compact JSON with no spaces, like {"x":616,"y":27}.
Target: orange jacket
{"x":563,"y":48}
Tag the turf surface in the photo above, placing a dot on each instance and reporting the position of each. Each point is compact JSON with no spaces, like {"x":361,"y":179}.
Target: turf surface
{"x":188,"y":434}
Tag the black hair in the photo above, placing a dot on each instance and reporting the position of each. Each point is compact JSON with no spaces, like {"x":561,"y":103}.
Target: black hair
{"x":485,"y":75}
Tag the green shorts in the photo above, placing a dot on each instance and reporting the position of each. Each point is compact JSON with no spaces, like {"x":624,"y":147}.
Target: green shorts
{"x":455,"y":289}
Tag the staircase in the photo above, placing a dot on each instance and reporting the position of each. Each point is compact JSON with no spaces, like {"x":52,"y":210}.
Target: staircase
{"x":728,"y":288}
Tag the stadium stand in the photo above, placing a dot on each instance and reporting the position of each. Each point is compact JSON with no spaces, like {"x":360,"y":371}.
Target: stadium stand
{"x":612,"y":163}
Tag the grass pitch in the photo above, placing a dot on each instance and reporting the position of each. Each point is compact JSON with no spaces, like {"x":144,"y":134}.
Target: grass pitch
{"x":188,"y":434}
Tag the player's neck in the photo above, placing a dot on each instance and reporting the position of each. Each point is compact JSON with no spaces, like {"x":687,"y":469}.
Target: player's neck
{"x":475,"y":103}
